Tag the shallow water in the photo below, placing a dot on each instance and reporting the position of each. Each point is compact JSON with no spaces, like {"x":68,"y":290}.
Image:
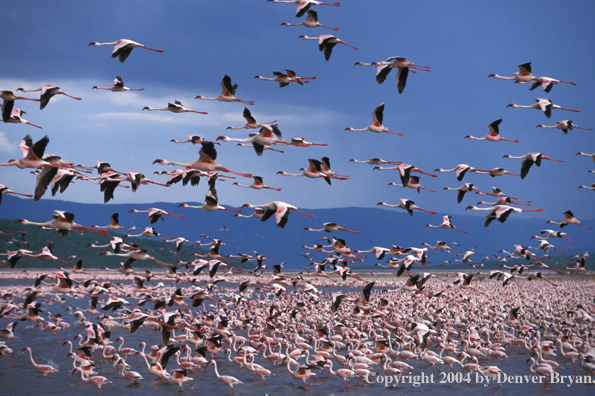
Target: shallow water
{"x":24,"y":380}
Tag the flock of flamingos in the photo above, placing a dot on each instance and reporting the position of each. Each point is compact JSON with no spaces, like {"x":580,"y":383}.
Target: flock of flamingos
{"x":301,"y":327}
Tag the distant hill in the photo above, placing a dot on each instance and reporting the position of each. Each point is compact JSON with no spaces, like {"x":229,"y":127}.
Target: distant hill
{"x":378,"y":227}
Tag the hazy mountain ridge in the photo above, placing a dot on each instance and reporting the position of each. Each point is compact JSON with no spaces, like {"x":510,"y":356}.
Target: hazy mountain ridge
{"x":378,"y":227}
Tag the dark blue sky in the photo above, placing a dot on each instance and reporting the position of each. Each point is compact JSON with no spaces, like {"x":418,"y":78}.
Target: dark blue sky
{"x":462,"y":41}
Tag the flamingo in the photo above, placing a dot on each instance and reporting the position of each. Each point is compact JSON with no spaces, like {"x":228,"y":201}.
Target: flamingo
{"x":501,"y":212}
{"x":460,"y":170}
{"x":268,"y":134}
{"x":206,"y":161}
{"x":228,"y":92}
{"x":114,"y":224}
{"x":280,"y":209}
{"x":62,"y":222}
{"x":97,"y":380}
{"x":405,"y":172}
{"x":407,"y":205}
{"x":446,"y":224}
{"x":311,"y":21}
{"x":47,"y":92}
{"x":32,"y":154}
{"x":6,"y":190}
{"x":398,"y":62}
{"x":568,"y":219}
{"x":15,"y":116}
{"x":314,"y":171}
{"x":176,"y":107}
{"x":462,"y":190}
{"x":544,"y":105}
{"x":44,"y":369}
{"x":304,"y":5}
{"x":7,"y":106}
{"x":523,"y":76}
{"x":529,"y":160}
{"x":587,"y":155}
{"x":376,"y":126}
{"x":123,"y":48}
{"x":258,"y":213}
{"x":301,"y":142}
{"x":494,"y":135}
{"x":155,"y":214}
{"x":250,"y":121}
{"x":547,"y":83}
{"x":226,"y":379}
{"x":332,"y":227}
{"x":118,"y":86}
{"x":496,"y":172}
{"x":587,"y":187}
{"x":285,"y":79}
{"x":211,"y":205}
{"x":257,"y":185}
{"x":554,"y":234}
{"x":542,"y":370}
{"x":376,"y":161}
{"x":564,"y":126}
{"x":326,"y":43}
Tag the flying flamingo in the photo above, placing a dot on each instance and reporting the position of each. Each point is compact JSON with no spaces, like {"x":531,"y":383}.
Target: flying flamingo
{"x":118,"y":86}
{"x":544,"y":105}
{"x":311,"y":21}
{"x":587,"y":187}
{"x":16,"y":117}
{"x":62,"y":222}
{"x":9,"y":97}
{"x":250,"y":121}
{"x":257,"y":185}
{"x":494,"y":135}
{"x":554,"y":234}
{"x":446,"y":224}
{"x":285,"y":79}
{"x":6,"y":190}
{"x":114,"y":224}
{"x":529,"y":160}
{"x":280,"y":209}
{"x":547,"y":83}
{"x":194,"y":139}
{"x":300,"y":142}
{"x":376,"y":126}
{"x":155,"y":214}
{"x":44,"y":369}
{"x":407,"y":205}
{"x":462,"y":190}
{"x":268,"y":134}
{"x":501,"y":212}
{"x":405,"y":172}
{"x":228,"y":92}
{"x":505,"y":200}
{"x":331,"y":227}
{"x":304,"y":5}
{"x":564,"y":126}
{"x":206,"y":161}
{"x":123,"y":48}
{"x":398,"y":62}
{"x":568,"y":219}
{"x":459,"y":170}
{"x":326,"y":43}
{"x":375,"y":161}
{"x":587,"y":155}
{"x":258,"y":213}
{"x":413,"y":182}
{"x":47,"y":92}
{"x":211,"y":205}
{"x":177,"y":107}
{"x":495,"y":172}
{"x":523,"y":76}
{"x":314,"y":171}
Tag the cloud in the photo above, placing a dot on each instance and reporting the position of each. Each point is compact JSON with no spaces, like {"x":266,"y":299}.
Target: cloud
{"x":5,"y":145}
